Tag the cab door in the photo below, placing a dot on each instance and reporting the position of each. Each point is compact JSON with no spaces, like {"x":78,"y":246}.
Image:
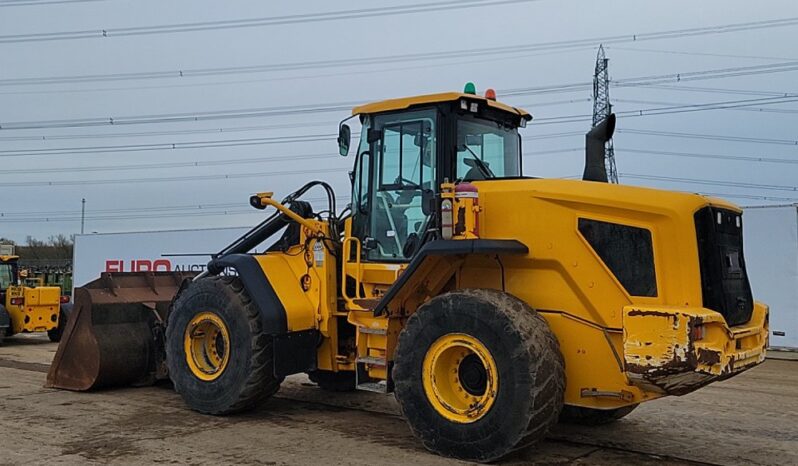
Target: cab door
{"x":394,"y":184}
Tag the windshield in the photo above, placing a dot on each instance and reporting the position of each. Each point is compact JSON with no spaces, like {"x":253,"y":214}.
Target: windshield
{"x":6,"y":276}
{"x":487,"y":149}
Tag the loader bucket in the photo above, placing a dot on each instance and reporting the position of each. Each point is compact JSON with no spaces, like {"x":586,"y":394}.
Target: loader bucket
{"x":114,"y":335}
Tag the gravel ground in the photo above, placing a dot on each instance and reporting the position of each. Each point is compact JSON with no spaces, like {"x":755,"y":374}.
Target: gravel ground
{"x":751,"y":419}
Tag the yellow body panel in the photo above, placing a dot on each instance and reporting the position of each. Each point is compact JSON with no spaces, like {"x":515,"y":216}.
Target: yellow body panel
{"x":284,"y":273}
{"x":564,"y":279}
{"x":569,"y":284}
{"x":406,"y":102}
{"x":38,"y":313}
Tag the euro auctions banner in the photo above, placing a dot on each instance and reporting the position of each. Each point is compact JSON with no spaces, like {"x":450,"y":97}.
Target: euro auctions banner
{"x":770,"y":236}
{"x":161,"y":251}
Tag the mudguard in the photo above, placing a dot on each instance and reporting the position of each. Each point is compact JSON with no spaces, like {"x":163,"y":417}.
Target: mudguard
{"x":294,"y":352}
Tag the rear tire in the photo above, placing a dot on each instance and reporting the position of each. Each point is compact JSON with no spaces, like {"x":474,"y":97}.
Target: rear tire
{"x":593,"y":417}
{"x":63,"y":317}
{"x":342,"y":381}
{"x":512,"y":409}
{"x":245,"y":376}
{"x":5,"y":323}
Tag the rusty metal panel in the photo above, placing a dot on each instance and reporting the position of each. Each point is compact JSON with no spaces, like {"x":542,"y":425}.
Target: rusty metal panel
{"x":115,"y":333}
{"x":677,"y":350}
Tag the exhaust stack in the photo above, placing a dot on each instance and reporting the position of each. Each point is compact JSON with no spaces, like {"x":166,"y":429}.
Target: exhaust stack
{"x":595,"y":139}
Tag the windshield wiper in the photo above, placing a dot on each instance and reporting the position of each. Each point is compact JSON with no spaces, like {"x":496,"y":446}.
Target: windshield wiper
{"x":481,"y":165}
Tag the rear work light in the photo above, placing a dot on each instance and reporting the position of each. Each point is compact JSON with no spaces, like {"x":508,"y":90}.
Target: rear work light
{"x":64,"y":299}
{"x":19,"y":301}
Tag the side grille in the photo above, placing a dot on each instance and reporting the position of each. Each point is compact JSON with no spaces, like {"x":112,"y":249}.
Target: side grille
{"x":724,"y":281}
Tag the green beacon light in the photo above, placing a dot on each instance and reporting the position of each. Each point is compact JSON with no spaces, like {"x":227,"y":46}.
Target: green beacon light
{"x":470,"y":88}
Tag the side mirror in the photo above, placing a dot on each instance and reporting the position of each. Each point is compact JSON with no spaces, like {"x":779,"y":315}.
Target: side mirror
{"x":344,"y":136}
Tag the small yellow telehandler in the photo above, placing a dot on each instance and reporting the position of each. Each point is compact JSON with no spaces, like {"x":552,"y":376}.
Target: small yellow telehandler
{"x":491,"y":304}
{"x":26,"y":306}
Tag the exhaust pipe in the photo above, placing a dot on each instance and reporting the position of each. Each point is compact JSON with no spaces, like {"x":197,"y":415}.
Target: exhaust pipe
{"x":595,"y":140}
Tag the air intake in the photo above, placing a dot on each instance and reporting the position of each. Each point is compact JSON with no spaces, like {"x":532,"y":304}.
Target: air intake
{"x":595,"y":139}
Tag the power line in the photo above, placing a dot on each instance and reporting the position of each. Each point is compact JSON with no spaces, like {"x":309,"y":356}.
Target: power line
{"x":180,"y":117}
{"x":343,"y":106}
{"x":255,"y":22}
{"x":213,"y":163}
{"x":222,"y":130}
{"x":169,"y":165}
{"x":641,"y":81}
{"x":127,"y":211}
{"x":167,"y":146}
{"x":714,"y":156}
{"x":699,"y":54}
{"x":424,"y":56}
{"x":714,"y":137}
{"x":199,"y":144}
{"x":321,"y":137}
{"x":710,"y":74}
{"x":734,"y":184}
{"x":686,"y":108}
{"x":717,"y":90}
{"x":217,"y":177}
{"x":166,"y":179}
{"x":441,"y":62}
{"x":146,"y":213}
{"x":564,"y":134}
{"x":127,"y":217}
{"x":233,"y":129}
{"x":8,"y":3}
{"x":123,"y":209}
{"x":742,"y":109}
{"x":748,"y":196}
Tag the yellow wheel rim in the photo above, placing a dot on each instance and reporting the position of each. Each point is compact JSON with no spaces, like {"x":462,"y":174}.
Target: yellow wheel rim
{"x":207,"y":346}
{"x":460,"y":378}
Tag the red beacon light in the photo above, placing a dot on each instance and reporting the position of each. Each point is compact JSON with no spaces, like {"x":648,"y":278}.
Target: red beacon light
{"x":490,"y":94}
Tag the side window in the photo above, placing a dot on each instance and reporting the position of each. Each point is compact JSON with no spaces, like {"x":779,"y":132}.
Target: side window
{"x":627,"y":251}
{"x":401,"y":162}
{"x":404,"y":166}
{"x":6,"y":276}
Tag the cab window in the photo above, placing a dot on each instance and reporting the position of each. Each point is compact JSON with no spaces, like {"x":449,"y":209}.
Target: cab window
{"x":6,"y":276}
{"x":403,"y":167}
{"x":487,"y":149}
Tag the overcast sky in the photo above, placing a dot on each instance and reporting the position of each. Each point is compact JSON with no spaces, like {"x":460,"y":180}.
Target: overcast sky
{"x":40,"y":194}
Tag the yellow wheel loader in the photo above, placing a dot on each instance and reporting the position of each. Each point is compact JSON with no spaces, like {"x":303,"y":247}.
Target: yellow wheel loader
{"x":26,"y":306}
{"x":492,"y":305}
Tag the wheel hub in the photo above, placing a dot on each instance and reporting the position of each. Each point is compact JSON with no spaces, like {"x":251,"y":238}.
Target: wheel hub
{"x":473,"y":376}
{"x":460,"y":378}
{"x":206,"y":345}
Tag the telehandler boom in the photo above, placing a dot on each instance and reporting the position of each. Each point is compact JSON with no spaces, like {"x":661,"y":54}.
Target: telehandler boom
{"x":491,"y":304}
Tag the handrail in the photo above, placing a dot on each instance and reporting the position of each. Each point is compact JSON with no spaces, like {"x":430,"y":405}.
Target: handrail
{"x":346,"y":253}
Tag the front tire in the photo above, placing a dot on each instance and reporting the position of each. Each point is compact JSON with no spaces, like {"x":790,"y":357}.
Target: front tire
{"x":478,"y":374}
{"x":219,"y":359}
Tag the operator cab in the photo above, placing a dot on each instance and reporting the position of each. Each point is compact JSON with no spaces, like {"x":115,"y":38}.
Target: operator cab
{"x":408,"y":147}
{"x":8,"y":275}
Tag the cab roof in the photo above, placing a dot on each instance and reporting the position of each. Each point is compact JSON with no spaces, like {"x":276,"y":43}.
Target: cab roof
{"x":406,"y":102}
